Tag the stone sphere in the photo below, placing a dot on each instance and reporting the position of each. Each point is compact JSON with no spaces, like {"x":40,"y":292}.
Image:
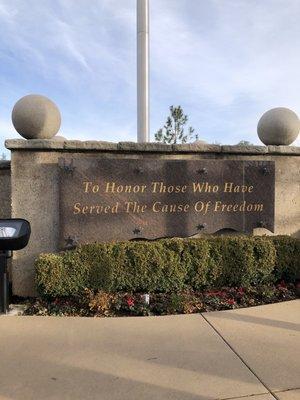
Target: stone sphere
{"x":278,"y":126}
{"x":36,"y":117}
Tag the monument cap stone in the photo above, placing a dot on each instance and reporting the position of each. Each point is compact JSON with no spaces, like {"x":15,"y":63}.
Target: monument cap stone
{"x":36,"y":117}
{"x":199,"y":141}
{"x":278,"y":126}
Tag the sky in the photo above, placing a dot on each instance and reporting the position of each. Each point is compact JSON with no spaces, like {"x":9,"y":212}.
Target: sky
{"x":225,"y":62}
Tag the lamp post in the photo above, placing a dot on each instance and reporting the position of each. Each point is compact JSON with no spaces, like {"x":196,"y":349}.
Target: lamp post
{"x":14,"y":235}
{"x":142,"y":71}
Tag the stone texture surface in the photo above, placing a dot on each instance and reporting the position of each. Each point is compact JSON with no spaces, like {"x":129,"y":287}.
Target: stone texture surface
{"x":200,"y":141}
{"x":174,"y":357}
{"x":267,"y":338}
{"x":35,"y":198}
{"x":34,"y":144}
{"x":287,"y":196}
{"x":287,"y":150}
{"x":257,"y":397}
{"x":133,"y":146}
{"x":35,"y":177}
{"x":36,"y":117}
{"x":289,"y":395}
{"x":245,"y":149}
{"x":278,"y":126}
{"x":196,"y":147}
{"x":5,"y":190}
{"x":93,"y":145}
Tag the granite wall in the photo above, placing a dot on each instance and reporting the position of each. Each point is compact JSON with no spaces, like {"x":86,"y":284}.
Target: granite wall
{"x":35,"y":177}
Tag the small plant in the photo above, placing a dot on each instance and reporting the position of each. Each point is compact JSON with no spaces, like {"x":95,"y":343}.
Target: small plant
{"x":244,"y":143}
{"x":101,"y":303}
{"x":174,"y":129}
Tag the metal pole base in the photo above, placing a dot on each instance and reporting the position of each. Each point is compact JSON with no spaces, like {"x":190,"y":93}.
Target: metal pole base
{"x":4,"y":289}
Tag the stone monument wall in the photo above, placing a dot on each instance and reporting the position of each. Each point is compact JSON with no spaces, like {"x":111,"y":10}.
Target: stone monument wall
{"x":5,"y":190}
{"x":35,"y":175}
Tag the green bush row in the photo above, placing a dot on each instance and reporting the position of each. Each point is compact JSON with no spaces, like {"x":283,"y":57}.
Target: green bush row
{"x":168,"y":265}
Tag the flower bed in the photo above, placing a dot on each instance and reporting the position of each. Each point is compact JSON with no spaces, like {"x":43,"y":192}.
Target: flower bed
{"x":104,"y":304}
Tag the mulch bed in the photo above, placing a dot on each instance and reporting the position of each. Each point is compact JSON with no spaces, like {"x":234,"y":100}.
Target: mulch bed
{"x":103,"y":304}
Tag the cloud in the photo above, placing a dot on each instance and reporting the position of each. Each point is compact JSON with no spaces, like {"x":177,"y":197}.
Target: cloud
{"x":226,"y":63}
{"x":229,"y":66}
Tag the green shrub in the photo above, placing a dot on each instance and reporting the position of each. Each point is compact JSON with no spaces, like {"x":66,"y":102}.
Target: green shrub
{"x":236,"y":262}
{"x":61,"y":274}
{"x":287,"y":265}
{"x":168,"y":265}
{"x":240,"y":261}
{"x":264,"y":254}
{"x":195,"y":256}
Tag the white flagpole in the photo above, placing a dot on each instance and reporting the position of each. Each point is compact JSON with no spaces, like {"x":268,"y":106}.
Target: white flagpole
{"x":142,"y":71}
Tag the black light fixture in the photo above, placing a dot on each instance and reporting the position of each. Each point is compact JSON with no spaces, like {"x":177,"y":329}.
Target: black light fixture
{"x":14,"y":235}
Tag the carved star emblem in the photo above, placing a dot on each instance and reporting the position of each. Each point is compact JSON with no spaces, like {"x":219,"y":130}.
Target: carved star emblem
{"x":201,"y":226}
{"x":71,"y":241}
{"x":261,"y":224}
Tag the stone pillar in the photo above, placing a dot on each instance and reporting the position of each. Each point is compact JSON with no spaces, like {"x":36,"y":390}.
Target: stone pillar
{"x":35,"y":198}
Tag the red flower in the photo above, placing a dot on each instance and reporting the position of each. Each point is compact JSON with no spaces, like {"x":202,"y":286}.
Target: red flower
{"x":282,"y":284}
{"x":130,"y":302}
{"x":241,"y":291}
{"x":216,"y":293}
{"x":230,"y":302}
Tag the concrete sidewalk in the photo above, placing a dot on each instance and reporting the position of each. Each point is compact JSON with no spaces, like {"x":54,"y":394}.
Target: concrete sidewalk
{"x":222,"y":355}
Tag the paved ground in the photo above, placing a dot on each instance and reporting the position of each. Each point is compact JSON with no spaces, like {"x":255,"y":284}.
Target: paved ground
{"x":249,"y":354}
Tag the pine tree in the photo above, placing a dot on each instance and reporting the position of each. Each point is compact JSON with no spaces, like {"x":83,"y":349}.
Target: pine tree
{"x":174,"y":129}
{"x":244,"y":143}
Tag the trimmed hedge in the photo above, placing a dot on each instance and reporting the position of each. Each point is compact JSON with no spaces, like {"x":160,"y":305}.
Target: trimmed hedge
{"x":287,"y":265}
{"x":169,"y":265}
